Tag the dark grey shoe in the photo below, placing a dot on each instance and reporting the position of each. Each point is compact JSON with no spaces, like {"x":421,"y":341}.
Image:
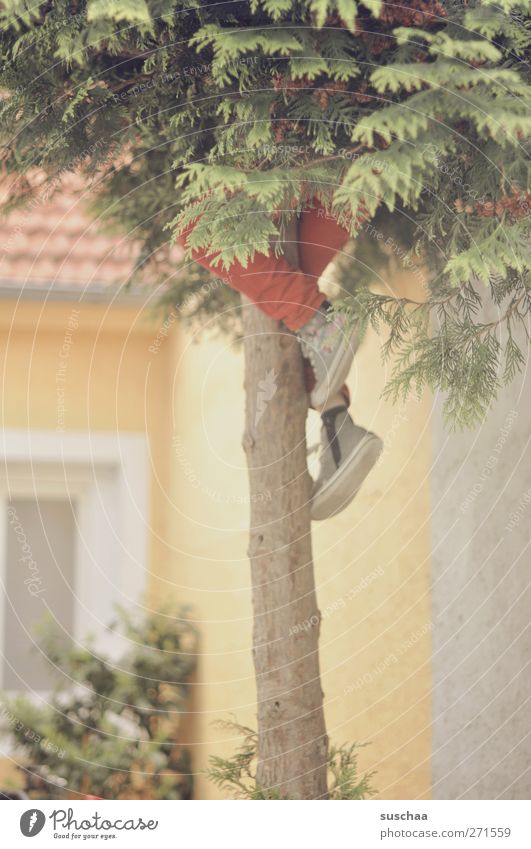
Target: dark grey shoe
{"x":348,"y":453}
{"x":329,"y":343}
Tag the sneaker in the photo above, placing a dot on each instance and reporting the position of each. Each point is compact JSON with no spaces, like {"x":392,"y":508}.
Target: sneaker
{"x":348,"y":453}
{"x":329,"y":344}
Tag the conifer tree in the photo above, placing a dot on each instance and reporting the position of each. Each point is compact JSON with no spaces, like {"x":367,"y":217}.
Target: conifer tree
{"x":412,"y":116}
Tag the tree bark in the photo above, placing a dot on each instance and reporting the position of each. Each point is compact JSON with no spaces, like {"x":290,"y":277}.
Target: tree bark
{"x":292,"y":741}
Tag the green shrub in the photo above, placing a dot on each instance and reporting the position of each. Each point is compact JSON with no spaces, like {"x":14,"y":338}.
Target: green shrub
{"x":111,"y":728}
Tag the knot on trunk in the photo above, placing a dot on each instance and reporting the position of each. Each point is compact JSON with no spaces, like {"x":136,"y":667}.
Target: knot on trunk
{"x":256,"y":546}
{"x":248,"y":441}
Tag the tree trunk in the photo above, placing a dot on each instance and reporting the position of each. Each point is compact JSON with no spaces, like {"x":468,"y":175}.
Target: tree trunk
{"x":292,"y":741}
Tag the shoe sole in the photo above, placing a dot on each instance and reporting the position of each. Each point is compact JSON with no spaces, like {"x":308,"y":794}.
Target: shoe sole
{"x":339,"y":368}
{"x":340,"y":489}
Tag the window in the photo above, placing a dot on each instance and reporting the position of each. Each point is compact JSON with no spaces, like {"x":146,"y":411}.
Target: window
{"x":73,"y":538}
{"x":40,"y":570}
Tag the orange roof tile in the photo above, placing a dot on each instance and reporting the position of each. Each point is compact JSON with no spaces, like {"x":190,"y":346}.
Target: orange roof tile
{"x":55,"y":245}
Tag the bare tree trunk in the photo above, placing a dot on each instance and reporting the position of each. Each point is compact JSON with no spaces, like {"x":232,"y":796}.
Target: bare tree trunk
{"x":293,"y":746}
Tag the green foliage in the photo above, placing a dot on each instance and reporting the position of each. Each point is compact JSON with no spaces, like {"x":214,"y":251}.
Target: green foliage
{"x":242,"y":112}
{"x":236,"y":775}
{"x":444,"y":343}
{"x":110,"y":729}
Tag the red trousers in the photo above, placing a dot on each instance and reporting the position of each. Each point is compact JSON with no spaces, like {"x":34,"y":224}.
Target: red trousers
{"x":286,"y":294}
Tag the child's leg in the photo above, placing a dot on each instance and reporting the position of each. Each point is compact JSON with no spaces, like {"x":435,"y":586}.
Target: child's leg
{"x":286,"y":294}
{"x":320,"y":238}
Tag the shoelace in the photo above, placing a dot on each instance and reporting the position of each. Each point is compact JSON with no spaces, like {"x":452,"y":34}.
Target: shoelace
{"x":329,"y":421}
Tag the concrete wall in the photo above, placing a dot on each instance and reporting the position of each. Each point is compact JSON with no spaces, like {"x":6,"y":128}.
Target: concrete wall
{"x":481,"y":494}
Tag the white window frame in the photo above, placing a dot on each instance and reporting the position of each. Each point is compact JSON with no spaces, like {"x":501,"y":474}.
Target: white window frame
{"x":107,"y":475}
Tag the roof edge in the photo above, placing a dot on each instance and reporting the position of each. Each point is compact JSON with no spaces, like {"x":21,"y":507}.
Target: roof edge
{"x":93,"y":293}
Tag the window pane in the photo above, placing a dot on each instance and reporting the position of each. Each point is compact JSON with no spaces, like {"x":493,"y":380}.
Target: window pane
{"x":40,"y":569}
